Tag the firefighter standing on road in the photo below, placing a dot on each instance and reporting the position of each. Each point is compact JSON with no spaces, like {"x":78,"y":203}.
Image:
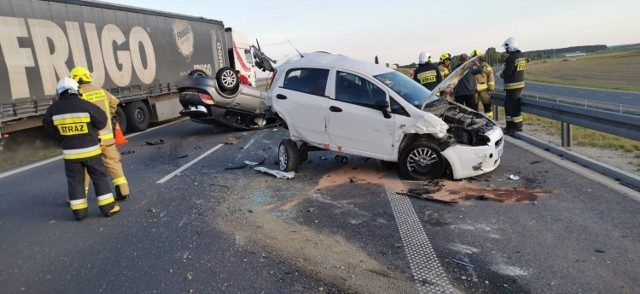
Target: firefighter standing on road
{"x":513,"y":75}
{"x":427,"y":73}
{"x":75,"y":124}
{"x":485,"y":84}
{"x":110,"y":154}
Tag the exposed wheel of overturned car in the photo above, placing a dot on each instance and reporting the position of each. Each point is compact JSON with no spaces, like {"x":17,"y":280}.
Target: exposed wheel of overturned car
{"x":421,"y":161}
{"x":288,"y":155}
{"x":227,"y":80}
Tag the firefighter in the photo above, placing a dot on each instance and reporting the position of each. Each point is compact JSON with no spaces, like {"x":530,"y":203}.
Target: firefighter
{"x":445,"y":67}
{"x":427,"y":73}
{"x":75,"y":124}
{"x":485,"y":84}
{"x":513,"y":75}
{"x":110,"y":154}
{"x":445,"y":64}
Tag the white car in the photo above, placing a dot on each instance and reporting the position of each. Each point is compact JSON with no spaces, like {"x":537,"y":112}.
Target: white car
{"x":333,"y":102}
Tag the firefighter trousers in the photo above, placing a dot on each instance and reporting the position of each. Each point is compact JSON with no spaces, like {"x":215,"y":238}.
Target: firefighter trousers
{"x":111,"y":159}
{"x":74,"y":170}
{"x":484,"y":98}
{"x":512,"y":109}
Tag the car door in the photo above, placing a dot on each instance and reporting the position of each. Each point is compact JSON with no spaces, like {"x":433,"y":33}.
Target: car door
{"x":302,"y":103}
{"x":354,"y":124}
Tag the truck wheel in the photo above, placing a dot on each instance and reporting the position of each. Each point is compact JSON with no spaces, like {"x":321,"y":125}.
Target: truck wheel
{"x":198,"y":72}
{"x":421,"y":161}
{"x":227,"y":80}
{"x":121,"y":118}
{"x":288,"y":155}
{"x":137,"y":114}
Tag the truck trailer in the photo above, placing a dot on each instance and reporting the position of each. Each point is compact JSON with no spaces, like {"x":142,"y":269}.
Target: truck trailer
{"x":139,"y":55}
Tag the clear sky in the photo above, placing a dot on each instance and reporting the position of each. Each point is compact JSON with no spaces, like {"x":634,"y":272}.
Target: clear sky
{"x":396,"y":31}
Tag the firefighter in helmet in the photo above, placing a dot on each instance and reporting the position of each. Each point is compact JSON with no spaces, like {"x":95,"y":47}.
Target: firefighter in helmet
{"x":110,"y":154}
{"x":427,"y":73}
{"x":445,"y":67}
{"x":485,"y":84}
{"x":75,"y":124}
{"x":513,"y":75}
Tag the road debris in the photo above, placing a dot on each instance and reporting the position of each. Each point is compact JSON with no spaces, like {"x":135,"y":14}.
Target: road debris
{"x":183,"y":156}
{"x":514,"y":177}
{"x":159,"y":142}
{"x":278,"y":174}
{"x":249,"y":163}
{"x":233,"y":140}
{"x":464,"y":263}
{"x":342,"y":159}
{"x":127,"y":152}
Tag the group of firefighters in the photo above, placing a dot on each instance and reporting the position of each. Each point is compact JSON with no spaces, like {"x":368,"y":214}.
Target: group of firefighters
{"x":478,"y":84}
{"x":81,"y":121}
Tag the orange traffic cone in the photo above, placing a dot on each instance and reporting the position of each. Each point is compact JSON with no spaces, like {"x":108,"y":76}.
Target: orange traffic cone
{"x":119,"y":136}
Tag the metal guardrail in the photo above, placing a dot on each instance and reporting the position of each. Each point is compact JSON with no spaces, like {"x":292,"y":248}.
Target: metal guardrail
{"x":575,"y":112}
{"x":615,"y":123}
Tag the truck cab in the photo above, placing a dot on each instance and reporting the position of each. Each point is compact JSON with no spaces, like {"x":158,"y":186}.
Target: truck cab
{"x":240,"y":55}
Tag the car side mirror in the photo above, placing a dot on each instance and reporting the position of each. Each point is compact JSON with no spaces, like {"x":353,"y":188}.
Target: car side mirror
{"x":383,"y":105}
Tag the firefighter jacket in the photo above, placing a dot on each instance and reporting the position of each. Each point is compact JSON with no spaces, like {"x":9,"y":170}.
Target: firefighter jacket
{"x":444,"y":71}
{"x":75,"y":124}
{"x":428,"y":75}
{"x":467,"y":84}
{"x":107,"y":102}
{"x":485,"y":80}
{"x":513,"y":73}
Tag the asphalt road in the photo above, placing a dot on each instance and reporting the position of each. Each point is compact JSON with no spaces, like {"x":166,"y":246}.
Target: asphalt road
{"x":192,"y":226}
{"x":623,"y":98}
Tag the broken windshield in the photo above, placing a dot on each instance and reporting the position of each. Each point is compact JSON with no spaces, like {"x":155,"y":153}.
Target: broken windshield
{"x":404,"y":86}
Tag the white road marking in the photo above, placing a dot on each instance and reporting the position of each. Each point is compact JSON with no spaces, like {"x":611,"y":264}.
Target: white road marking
{"x":40,"y":163}
{"x":425,"y":266}
{"x":248,"y":144}
{"x":169,"y":176}
{"x":30,"y":166}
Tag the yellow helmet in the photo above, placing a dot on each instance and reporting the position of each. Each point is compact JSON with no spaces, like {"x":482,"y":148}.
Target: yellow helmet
{"x":475,"y":53}
{"x":444,"y":56}
{"x":81,"y":75}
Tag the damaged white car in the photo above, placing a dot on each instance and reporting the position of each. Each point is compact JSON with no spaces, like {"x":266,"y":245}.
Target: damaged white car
{"x":333,"y":102}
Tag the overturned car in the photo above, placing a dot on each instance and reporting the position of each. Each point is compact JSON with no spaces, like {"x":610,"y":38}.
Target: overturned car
{"x":332,"y":102}
{"x":223,"y":100}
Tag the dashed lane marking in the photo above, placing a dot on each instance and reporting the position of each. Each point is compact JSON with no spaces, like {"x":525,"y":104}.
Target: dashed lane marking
{"x":425,"y":266}
{"x":169,"y":176}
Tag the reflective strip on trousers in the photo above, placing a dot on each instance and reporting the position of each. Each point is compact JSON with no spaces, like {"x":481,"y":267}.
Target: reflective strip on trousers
{"x":81,"y":153}
{"x":105,"y":199}
{"x":482,"y":87}
{"x":119,"y":181}
{"x":78,"y":204}
{"x":513,"y":86}
{"x":515,"y":119}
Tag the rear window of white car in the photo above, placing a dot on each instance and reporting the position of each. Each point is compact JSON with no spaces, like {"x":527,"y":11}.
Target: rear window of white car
{"x":308,"y":80}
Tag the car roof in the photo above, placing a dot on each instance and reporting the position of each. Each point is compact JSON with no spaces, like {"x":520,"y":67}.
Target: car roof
{"x":336,"y":60}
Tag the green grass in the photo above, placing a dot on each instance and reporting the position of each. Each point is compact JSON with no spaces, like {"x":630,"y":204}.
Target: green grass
{"x":11,"y":160}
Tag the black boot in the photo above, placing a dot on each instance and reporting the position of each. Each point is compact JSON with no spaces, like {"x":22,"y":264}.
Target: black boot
{"x":109,"y":209}
{"x":119,"y":196}
{"x":80,"y":214}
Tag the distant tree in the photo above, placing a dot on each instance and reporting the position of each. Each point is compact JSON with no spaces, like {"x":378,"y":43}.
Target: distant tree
{"x":376,"y":60}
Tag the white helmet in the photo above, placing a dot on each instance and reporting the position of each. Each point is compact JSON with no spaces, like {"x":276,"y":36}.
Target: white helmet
{"x":67,"y":84}
{"x":424,"y":57}
{"x":510,"y":44}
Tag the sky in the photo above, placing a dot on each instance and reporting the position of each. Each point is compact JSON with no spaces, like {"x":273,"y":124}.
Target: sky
{"x":397,"y":31}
